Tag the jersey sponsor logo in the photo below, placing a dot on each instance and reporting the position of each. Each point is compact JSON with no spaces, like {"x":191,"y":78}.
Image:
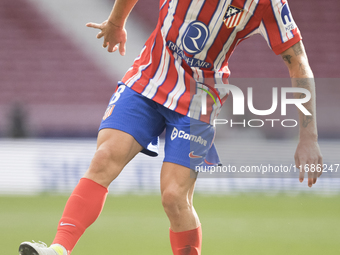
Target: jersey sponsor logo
{"x":108,"y":111}
{"x":195,"y":37}
{"x":233,"y":16}
{"x":182,"y":135}
{"x":287,"y":18}
{"x":193,"y":62}
{"x":191,"y":155}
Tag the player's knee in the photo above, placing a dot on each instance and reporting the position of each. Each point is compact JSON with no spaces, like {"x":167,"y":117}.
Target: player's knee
{"x":100,"y":162}
{"x":109,"y":157}
{"x":174,"y":202}
{"x":105,"y":167}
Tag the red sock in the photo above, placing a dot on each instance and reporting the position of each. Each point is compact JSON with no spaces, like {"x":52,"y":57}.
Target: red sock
{"x":186,"y":242}
{"x":81,"y":210}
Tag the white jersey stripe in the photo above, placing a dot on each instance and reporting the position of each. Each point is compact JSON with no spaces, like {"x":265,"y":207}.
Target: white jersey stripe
{"x":195,"y":106}
{"x":163,"y":4}
{"x":264,"y":33}
{"x":222,"y":92}
{"x":169,"y":18}
{"x":178,"y":90}
{"x":141,"y":68}
{"x":139,"y":73}
{"x":160,"y":76}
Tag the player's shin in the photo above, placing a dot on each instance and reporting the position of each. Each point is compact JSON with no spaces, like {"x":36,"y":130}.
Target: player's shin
{"x":81,"y":210}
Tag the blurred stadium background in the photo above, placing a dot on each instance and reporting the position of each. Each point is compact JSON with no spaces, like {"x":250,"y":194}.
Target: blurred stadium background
{"x":55,"y":83}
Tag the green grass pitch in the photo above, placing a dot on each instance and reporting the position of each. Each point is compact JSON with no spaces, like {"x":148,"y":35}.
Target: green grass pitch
{"x":239,"y":225}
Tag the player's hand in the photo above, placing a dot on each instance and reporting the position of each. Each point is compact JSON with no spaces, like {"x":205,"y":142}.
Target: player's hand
{"x":308,"y":156}
{"x":113,"y":36}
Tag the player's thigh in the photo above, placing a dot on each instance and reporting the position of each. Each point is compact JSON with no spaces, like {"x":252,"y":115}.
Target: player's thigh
{"x":121,"y":146}
{"x":130,"y":124}
{"x":136,"y":115}
{"x":177,"y":184}
{"x":115,"y":149}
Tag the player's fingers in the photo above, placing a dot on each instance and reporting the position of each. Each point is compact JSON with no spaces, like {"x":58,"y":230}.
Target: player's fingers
{"x":315,"y":176}
{"x":100,"y":35}
{"x":122,"y":48}
{"x":302,"y":174}
{"x":314,"y":180}
{"x":112,"y":49}
{"x":105,"y":44}
{"x":310,"y":175}
{"x":301,"y":169}
{"x":315,"y":172}
{"x":310,"y":182}
{"x":93,"y":25}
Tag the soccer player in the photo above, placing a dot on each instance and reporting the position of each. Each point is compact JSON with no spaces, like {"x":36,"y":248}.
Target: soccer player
{"x":189,"y":49}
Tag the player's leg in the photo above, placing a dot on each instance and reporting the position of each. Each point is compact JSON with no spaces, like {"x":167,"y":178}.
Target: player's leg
{"x":177,"y":188}
{"x":129,"y":125}
{"x":177,"y":185}
{"x":188,"y":144}
{"x":114,"y":150}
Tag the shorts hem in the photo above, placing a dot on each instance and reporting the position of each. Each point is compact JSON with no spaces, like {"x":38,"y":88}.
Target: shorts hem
{"x":176,"y":161}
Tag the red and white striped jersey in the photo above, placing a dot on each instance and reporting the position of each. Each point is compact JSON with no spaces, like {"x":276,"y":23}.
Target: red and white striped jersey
{"x":188,"y":51}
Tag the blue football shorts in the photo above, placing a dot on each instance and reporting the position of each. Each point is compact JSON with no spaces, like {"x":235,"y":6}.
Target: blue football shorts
{"x":188,"y":142}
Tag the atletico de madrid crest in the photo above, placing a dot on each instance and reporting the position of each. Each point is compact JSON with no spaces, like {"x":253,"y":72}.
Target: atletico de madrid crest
{"x":233,"y":16}
{"x":108,"y":111}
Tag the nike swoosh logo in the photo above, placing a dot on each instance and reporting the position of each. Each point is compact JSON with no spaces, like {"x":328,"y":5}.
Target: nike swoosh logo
{"x":191,"y":155}
{"x":66,"y":224}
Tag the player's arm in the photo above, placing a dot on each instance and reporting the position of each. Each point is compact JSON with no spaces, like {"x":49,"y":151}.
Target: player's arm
{"x":308,"y":151}
{"x":113,"y":29}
